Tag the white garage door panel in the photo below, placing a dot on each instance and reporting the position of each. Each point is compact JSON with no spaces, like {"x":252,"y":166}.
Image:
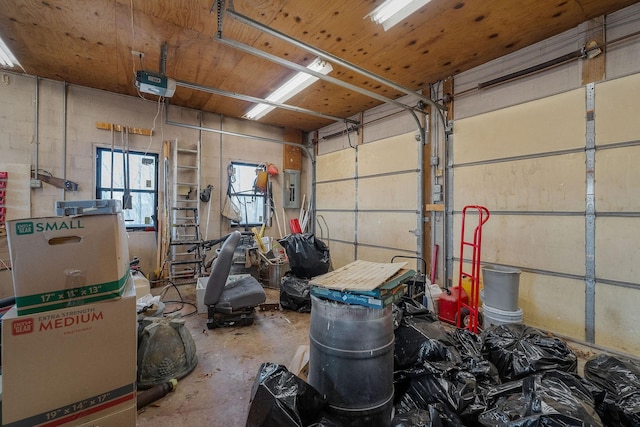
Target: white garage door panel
{"x":545,"y":243}
{"x":336,"y":165}
{"x":554,"y":183}
{"x":617,"y":250}
{"x":617,"y":180}
{"x":618,"y":325}
{"x":336,"y":195}
{"x":617,"y":106}
{"x":340,"y":225}
{"x":341,"y":254}
{"x":387,"y":229}
{"x":390,"y":192}
{"x":546,"y":125}
{"x":389,"y":155}
{"x":554,"y":304}
{"x":384,"y":255}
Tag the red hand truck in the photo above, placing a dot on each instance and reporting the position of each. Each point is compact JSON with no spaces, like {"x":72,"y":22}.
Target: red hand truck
{"x":471,"y":320}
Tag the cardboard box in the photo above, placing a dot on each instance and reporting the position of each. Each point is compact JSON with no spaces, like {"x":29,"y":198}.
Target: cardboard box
{"x":121,"y":418}
{"x":61,"y":262}
{"x":300,"y":363}
{"x":69,"y":366}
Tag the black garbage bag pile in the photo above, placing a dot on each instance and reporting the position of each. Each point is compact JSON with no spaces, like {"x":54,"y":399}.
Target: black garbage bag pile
{"x":620,"y":380}
{"x":518,"y":350}
{"x":416,"y":333}
{"x":281,"y":399}
{"x":435,"y":416}
{"x":510,"y":375}
{"x":438,"y":373}
{"x":295,"y":293}
{"x":308,"y":256}
{"x":448,"y":378}
{"x":551,"y":399}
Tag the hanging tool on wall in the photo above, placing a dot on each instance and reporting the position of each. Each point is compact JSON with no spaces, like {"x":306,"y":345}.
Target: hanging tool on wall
{"x":126,"y":197}
{"x":205,"y":196}
{"x":58,"y":182}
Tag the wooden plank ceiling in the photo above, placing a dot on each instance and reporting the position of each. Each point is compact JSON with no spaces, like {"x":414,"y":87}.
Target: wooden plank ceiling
{"x":90,"y":43}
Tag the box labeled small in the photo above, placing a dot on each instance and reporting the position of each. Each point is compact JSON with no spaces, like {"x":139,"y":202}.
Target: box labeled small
{"x":61,"y":262}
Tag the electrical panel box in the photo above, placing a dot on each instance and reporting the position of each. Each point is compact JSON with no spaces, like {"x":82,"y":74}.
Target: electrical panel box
{"x":291,"y":186}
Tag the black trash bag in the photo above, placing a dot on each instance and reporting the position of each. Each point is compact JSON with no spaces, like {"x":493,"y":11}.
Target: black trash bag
{"x":518,"y":350}
{"x":308,"y":256}
{"x":434,"y":416}
{"x":469,"y":346}
{"x":295,"y":293}
{"x":438,"y":383}
{"x":551,"y":399}
{"x":620,"y":379}
{"x":412,"y":339}
{"x":281,"y":399}
{"x":407,"y":306}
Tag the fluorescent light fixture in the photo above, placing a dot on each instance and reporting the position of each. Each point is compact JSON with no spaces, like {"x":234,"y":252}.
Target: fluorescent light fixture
{"x":295,"y":85}
{"x":6,"y":57}
{"x":392,"y":12}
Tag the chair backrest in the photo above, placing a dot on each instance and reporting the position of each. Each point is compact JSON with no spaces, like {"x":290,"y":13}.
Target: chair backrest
{"x":220,"y":269}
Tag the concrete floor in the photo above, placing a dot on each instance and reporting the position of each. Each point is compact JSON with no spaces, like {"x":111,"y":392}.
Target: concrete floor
{"x":217,"y":392}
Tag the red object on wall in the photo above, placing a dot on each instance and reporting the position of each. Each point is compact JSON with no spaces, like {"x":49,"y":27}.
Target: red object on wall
{"x":272,"y":169}
{"x":294,"y":224}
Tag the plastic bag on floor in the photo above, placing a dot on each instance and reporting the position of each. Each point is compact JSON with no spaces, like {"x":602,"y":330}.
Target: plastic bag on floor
{"x":281,"y":399}
{"x":434,"y":416}
{"x":550,"y":399}
{"x":469,"y":346}
{"x":417,"y":336}
{"x":435,"y":367}
{"x":438,"y":383}
{"x":518,"y":350}
{"x":308,"y":256}
{"x":295,"y":294}
{"x":620,"y":379}
{"x":412,"y":345}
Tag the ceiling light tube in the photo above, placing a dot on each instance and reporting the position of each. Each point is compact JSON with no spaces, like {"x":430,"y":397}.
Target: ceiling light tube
{"x":6,"y":57}
{"x":392,"y":12}
{"x":295,"y":85}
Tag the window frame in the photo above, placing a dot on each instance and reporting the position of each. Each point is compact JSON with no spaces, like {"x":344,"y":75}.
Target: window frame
{"x":236,"y":195}
{"x":99,"y":189}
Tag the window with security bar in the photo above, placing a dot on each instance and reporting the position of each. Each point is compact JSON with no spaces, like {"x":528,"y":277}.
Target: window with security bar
{"x":131,"y":177}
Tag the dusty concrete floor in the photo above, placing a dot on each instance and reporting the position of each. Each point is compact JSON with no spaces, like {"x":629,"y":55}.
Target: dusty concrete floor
{"x":217,"y":392}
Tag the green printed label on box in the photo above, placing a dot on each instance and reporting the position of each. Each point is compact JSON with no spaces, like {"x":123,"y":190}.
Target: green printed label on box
{"x":24,"y":228}
{"x":36,"y":303}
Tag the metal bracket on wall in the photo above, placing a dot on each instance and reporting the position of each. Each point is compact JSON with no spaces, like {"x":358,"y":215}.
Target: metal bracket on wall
{"x":58,"y":182}
{"x":590,"y":216}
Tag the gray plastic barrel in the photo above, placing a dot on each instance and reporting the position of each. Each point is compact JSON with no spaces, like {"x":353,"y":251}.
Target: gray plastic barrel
{"x":351,"y":360}
{"x":501,"y":287}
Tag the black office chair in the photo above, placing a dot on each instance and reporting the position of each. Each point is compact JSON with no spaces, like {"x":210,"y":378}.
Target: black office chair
{"x":233,"y":304}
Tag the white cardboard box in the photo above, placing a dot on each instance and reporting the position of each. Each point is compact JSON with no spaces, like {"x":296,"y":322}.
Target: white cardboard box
{"x":69,"y":366}
{"x":59,"y":262}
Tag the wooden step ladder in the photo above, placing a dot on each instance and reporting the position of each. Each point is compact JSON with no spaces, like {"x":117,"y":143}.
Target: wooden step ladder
{"x":185,"y":263}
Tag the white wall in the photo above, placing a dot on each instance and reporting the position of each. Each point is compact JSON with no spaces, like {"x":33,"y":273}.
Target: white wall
{"x":85,"y":107}
{"x":564,"y":211}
